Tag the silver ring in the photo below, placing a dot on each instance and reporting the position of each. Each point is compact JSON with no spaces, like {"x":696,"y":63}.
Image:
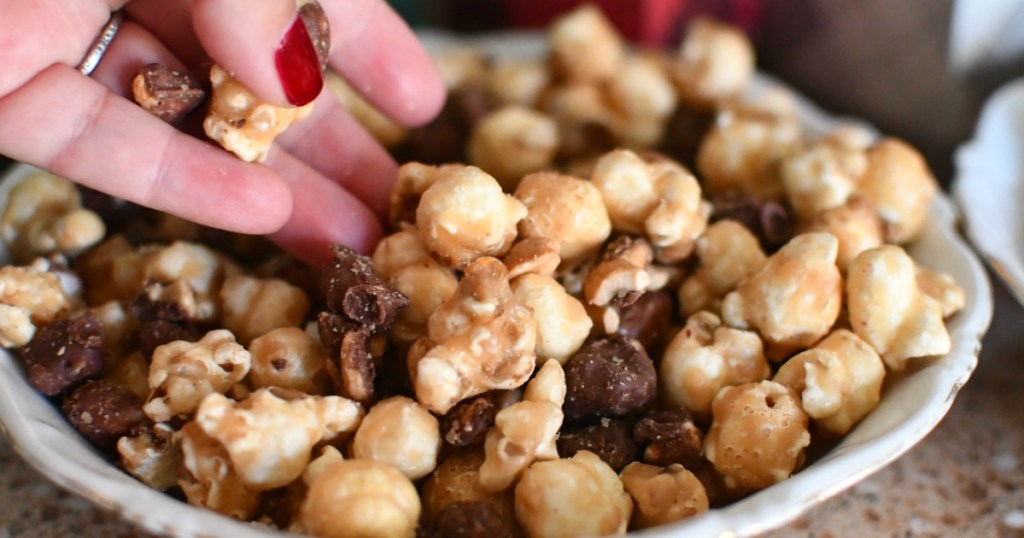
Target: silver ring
{"x":99,"y":46}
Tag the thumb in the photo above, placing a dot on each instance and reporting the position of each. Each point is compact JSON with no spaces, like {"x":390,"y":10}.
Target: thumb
{"x":275,"y":48}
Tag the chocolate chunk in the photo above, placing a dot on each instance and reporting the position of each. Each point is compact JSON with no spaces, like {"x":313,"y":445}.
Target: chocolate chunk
{"x":65,"y":353}
{"x":103,"y":412}
{"x":469,"y":519}
{"x":169,"y":95}
{"x":671,"y":437}
{"x":149,"y":306}
{"x":332,"y":329}
{"x":608,"y":377}
{"x":444,"y":139}
{"x":684,"y":132}
{"x":468,"y":422}
{"x":611,"y":439}
{"x":770,"y":222}
{"x":153,"y":334}
{"x":318,"y":28}
{"x":353,"y":290}
{"x":647,"y":320}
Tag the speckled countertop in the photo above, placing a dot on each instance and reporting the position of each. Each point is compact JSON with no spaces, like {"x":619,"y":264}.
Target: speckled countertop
{"x":965,"y":479}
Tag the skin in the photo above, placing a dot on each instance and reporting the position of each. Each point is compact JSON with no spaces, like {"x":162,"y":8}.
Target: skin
{"x":326,"y":180}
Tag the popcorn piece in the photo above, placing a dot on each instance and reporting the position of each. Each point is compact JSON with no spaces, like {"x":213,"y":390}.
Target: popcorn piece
{"x":758,"y":435}
{"x":361,"y":498}
{"x":641,"y":99}
{"x":728,"y":253}
{"x":462,"y":67}
{"x":900,"y":186}
{"x":662,"y":495}
{"x":610,"y":439}
{"x":562,"y":322}
{"x":583,"y":117}
{"x":769,"y":221}
{"x":715,"y":62}
{"x":414,"y":451}
{"x":103,"y":412}
{"x":132,"y":372}
{"x":44,"y":214}
{"x":889,"y":311}
{"x":815,"y":179}
{"x":256,"y":306}
{"x":182,"y":373}
{"x":29,"y":298}
{"x":585,"y":46}
{"x":403,"y":261}
{"x":525,"y":431}
{"x":517,"y":82}
{"x":609,"y":377}
{"x":566,"y":210}
{"x":113,"y":270}
{"x":706,"y":356}
{"x":572,"y":497}
{"x":511,"y":142}
{"x":198,"y":266}
{"x":480,"y":339}
{"x":671,"y":437}
{"x":455,"y":481}
{"x":288,"y":358}
{"x":413,"y":180}
{"x":794,"y":299}
{"x":65,"y":353}
{"x":243,"y":124}
{"x":942,"y":288}
{"x":839,"y":380}
{"x":464,"y":215}
{"x":854,"y":224}
{"x":209,"y":480}
{"x":153,"y":455}
{"x":658,"y":198}
{"x":741,"y":154}
{"x":174,"y":302}
{"x":269,"y":436}
{"x":167,"y":94}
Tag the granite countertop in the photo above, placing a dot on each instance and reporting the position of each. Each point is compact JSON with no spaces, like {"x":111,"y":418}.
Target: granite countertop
{"x":965,"y":479}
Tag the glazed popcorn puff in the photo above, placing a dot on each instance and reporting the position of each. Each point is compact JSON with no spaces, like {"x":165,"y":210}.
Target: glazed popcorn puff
{"x":581,"y":322}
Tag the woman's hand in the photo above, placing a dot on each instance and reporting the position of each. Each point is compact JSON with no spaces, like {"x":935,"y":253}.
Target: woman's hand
{"x":325,"y":181}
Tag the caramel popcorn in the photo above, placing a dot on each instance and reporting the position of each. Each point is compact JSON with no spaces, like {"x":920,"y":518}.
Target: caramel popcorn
{"x":29,"y":298}
{"x":512,"y":142}
{"x":202,"y":269}
{"x":255,"y":306}
{"x":900,"y":186}
{"x":288,"y":358}
{"x":662,"y":494}
{"x":414,"y":452}
{"x":517,"y":82}
{"x":854,"y":224}
{"x":566,"y":210}
{"x":153,"y":455}
{"x":210,"y":480}
{"x":728,"y":253}
{"x":715,"y":62}
{"x":585,"y":45}
{"x":562,"y":322}
{"x":815,"y":179}
{"x":44,"y":215}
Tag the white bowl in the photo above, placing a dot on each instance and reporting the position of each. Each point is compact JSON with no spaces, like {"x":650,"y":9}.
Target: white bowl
{"x":909,"y":409}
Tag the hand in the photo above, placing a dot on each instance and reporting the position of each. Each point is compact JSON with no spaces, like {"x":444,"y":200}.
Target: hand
{"x":325,"y":181}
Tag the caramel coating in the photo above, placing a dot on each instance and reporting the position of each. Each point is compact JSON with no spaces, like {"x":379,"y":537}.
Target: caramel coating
{"x":794,"y":299}
{"x":288,"y":358}
{"x":889,"y":310}
{"x":478,"y":340}
{"x":567,"y":210}
{"x":512,"y":142}
{"x":44,"y":215}
{"x":854,"y":224}
{"x":456,"y":479}
{"x":198,"y":266}
{"x":562,"y":322}
{"x":728,"y":253}
{"x":517,"y":82}
{"x":153,"y":455}
{"x":29,"y":299}
{"x":414,"y":451}
{"x":270,"y":435}
{"x":209,"y":479}
{"x":662,"y":495}
{"x":941,"y":287}
{"x":585,"y":46}
{"x":464,"y":215}
{"x":252,"y":307}
{"x":758,"y":435}
{"x":900,"y":186}
{"x":580,"y":496}
{"x":641,"y":99}
{"x":706,"y":356}
{"x":242,"y":123}
{"x":815,"y":179}
{"x":839,"y":380}
{"x":715,"y":62}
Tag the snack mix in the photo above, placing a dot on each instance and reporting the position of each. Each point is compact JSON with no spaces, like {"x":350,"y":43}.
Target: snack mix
{"x":620,"y":290}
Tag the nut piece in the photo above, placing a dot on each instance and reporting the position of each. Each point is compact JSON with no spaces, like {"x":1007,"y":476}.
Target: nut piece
{"x":469,"y":421}
{"x":363,"y":498}
{"x":511,"y":142}
{"x":525,"y":431}
{"x":715,"y":61}
{"x":794,"y":300}
{"x":270,"y":435}
{"x":288,"y":358}
{"x":839,"y":380}
{"x":464,"y":215}
{"x":413,"y":451}
{"x":728,"y":253}
{"x":566,"y":210}
{"x":44,"y":215}
{"x":29,"y":298}
{"x":610,"y":439}
{"x":153,"y":455}
{"x":480,"y":339}
{"x":741,"y":154}
{"x":562,"y":322}
{"x":209,"y":480}
{"x":662,"y":495}
{"x":648,"y":320}
{"x":609,"y":377}
{"x":103,"y":412}
{"x":581,"y":496}
{"x":900,"y":186}
{"x":535,"y":255}
{"x":456,"y":480}
{"x":671,"y":437}
{"x":65,"y":353}
{"x":706,"y":356}
{"x":183,"y":373}
{"x":255,"y":306}
{"x":585,"y":46}
{"x":167,"y":94}
{"x":854,"y":224}
{"x":243,"y":124}
{"x":888,"y":310}
{"x":758,"y":435}
{"x":353,"y":290}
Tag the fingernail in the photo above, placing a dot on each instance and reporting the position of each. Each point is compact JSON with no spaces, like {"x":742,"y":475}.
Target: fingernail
{"x":298,"y":57}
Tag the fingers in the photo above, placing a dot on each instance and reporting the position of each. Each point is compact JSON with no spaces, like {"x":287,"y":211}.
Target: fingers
{"x":73,"y":126}
{"x":171,"y":22}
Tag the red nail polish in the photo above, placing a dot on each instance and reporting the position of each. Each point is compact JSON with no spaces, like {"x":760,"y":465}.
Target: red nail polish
{"x":298,"y":66}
